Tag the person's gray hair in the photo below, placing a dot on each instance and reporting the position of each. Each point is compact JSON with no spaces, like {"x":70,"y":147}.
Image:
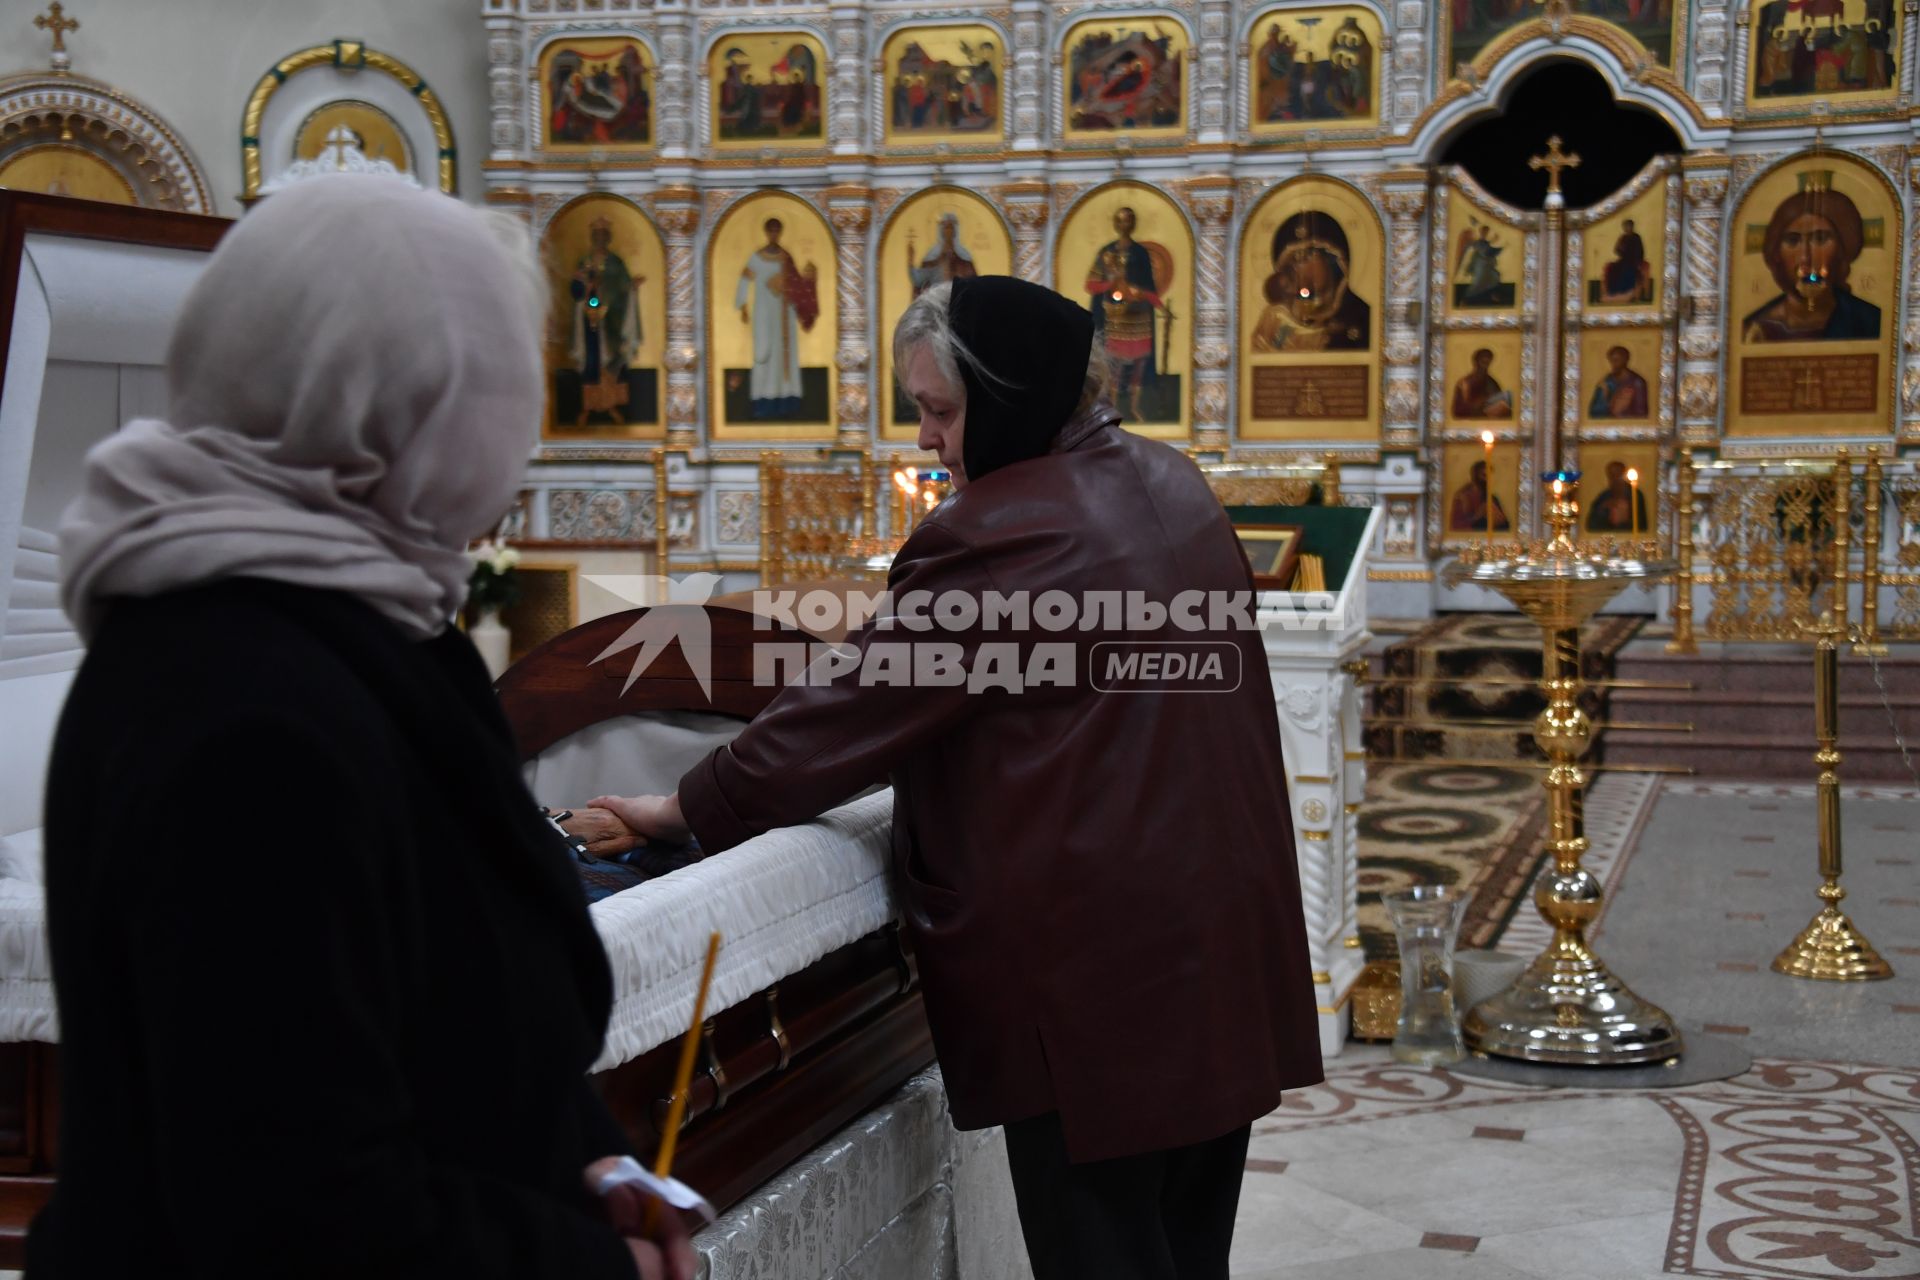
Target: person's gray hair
{"x":925,"y":323}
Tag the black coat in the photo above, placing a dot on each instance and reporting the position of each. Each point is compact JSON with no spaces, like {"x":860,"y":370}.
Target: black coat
{"x":328,"y":987}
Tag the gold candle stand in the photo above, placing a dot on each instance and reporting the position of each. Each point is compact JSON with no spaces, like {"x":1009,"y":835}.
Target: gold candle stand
{"x":1830,"y":948}
{"x":1567,"y":1007}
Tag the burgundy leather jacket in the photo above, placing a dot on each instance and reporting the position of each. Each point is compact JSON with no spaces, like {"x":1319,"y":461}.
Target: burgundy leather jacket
{"x":1101,"y":886}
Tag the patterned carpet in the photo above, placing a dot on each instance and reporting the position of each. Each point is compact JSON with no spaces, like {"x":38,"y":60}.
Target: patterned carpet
{"x":1464,"y":669}
{"x":1478,"y":826}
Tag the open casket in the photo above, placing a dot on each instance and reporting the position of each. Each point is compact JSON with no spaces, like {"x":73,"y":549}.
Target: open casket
{"x":818,"y":1012}
{"x":88,"y":295}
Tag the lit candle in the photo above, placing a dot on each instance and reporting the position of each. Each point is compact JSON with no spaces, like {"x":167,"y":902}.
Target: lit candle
{"x":903,"y":480}
{"x":1486,"y":438}
{"x":1633,"y":515}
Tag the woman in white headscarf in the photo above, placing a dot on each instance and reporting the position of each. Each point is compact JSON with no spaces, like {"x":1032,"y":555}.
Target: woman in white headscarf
{"x":293,"y":1040}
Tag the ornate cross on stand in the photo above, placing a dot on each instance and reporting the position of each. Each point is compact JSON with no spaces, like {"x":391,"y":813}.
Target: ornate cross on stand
{"x":1553,"y":162}
{"x":55,"y":20}
{"x":1553,"y":257}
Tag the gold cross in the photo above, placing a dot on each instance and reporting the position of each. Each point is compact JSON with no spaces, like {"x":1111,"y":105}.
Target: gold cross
{"x":1553,"y":162}
{"x":56,"y":21}
{"x":1809,"y":389}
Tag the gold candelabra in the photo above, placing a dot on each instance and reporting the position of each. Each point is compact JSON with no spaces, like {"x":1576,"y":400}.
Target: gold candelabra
{"x":1567,"y":1007}
{"x":1830,"y":948}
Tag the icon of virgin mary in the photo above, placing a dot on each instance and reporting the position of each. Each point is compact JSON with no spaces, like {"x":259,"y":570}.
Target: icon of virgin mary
{"x":1311,"y":305}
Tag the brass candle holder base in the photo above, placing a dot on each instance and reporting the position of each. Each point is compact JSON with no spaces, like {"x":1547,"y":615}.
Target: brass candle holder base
{"x":1832,"y":950}
{"x":1569,"y":1009}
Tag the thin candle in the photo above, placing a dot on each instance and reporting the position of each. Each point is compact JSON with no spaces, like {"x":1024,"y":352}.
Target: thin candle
{"x":683,"y":1079}
{"x":1486,"y":438}
{"x":1633,"y":514}
{"x":904,"y":481}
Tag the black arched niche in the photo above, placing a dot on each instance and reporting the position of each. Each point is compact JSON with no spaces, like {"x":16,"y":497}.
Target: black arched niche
{"x":1570,"y":100}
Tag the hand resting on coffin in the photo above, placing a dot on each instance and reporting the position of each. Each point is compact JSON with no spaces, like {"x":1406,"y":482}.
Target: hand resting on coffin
{"x":603,"y":831}
{"x":649,"y":817}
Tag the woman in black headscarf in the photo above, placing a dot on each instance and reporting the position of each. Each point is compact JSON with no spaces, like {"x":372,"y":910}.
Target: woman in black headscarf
{"x":1095,"y":859}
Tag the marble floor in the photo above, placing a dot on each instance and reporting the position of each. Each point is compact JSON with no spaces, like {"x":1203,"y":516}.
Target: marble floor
{"x":1806,"y":1166}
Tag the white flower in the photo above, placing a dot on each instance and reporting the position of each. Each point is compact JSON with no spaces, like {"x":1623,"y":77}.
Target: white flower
{"x":504,"y":559}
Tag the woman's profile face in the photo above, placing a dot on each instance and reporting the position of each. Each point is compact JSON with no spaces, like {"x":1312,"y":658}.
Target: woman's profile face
{"x":943,"y":410}
{"x":1809,"y":247}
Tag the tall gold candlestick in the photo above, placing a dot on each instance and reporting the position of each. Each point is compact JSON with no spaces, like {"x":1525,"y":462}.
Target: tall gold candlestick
{"x":1567,"y":1007}
{"x":1830,"y":948}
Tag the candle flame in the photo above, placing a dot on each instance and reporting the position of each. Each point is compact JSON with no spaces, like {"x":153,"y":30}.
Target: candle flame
{"x":1557,"y":486}
{"x":1633,"y":475}
{"x":904,"y":480}
{"x":1486,"y":438}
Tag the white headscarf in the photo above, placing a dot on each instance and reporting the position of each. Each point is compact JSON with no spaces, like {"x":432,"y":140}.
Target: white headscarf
{"x":354,"y":387}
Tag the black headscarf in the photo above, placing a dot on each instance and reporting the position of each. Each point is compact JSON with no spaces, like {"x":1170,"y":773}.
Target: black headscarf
{"x":1034,"y":346}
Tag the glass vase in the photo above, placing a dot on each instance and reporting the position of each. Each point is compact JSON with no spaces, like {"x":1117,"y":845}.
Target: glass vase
{"x":495,"y":643}
{"x":1426,"y":920}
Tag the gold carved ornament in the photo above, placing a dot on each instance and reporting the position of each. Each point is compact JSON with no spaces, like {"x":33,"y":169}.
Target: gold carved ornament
{"x":812,"y":515}
{"x":348,"y":55}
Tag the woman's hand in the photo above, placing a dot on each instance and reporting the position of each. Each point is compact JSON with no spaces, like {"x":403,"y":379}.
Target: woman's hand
{"x":604,"y":833}
{"x":665,"y":1252}
{"x":652,"y":817}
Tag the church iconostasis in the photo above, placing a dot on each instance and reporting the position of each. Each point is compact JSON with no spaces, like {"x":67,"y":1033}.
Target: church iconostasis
{"x":1125,"y":252}
{"x":599,"y":95}
{"x":606,"y":335}
{"x":1813,"y":301}
{"x":1619,"y":489}
{"x":1482,"y":351}
{"x":1474,"y":26}
{"x":1313,"y":70}
{"x":771,"y":328}
{"x":1474,"y":495}
{"x":1124,"y":77}
{"x":768,"y":90}
{"x":1486,"y":382}
{"x":1621,"y":347}
{"x":1312,"y":295}
{"x":935,"y":237}
{"x":1486,"y":257}
{"x":1625,"y":250}
{"x":1843,"y":55}
{"x":943,"y":85}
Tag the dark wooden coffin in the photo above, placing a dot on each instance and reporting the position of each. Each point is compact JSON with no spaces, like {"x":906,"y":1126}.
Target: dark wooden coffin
{"x":784,"y":1070}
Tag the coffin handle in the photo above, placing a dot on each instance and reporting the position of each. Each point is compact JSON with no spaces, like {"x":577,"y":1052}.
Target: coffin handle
{"x":776,"y":1029}
{"x":902,"y":959}
{"x":715,"y":1072}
